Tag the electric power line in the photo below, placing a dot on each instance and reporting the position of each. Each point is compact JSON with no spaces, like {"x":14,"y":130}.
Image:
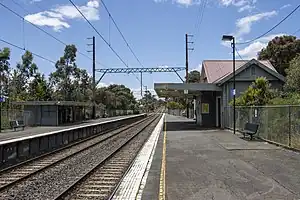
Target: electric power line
{"x":109,"y":14}
{"x":296,"y":31}
{"x":47,"y":33}
{"x":236,"y":50}
{"x":24,"y":49}
{"x":19,"y":5}
{"x":101,"y":36}
{"x":201,"y":14}
{"x":262,"y":35}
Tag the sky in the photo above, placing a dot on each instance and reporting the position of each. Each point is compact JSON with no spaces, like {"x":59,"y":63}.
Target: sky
{"x":154,"y":30}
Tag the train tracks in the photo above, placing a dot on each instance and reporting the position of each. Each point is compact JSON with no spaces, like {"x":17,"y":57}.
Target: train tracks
{"x":55,"y":175}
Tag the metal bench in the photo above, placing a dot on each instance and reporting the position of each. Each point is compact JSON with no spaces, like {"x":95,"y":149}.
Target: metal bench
{"x":17,"y":124}
{"x":250,"y":129}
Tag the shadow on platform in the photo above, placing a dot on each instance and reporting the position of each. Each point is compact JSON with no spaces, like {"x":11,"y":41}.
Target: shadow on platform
{"x":185,"y":126}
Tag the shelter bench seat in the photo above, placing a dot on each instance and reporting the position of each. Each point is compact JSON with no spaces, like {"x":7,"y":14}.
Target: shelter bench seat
{"x":250,"y":129}
{"x":17,"y":124}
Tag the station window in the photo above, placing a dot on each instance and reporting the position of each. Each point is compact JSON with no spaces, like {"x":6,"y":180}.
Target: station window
{"x":252,"y":71}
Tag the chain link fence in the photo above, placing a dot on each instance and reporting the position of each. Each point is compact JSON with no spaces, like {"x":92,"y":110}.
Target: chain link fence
{"x":8,"y":115}
{"x":280,"y":124}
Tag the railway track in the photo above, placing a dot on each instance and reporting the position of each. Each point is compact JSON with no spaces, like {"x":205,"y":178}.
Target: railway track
{"x":25,"y":180}
{"x":25,"y":169}
{"x":101,"y":181}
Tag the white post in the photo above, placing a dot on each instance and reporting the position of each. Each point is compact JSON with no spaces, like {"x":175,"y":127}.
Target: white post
{"x":195,"y":102}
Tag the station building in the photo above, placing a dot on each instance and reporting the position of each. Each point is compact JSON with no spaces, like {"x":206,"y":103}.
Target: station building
{"x":211,"y":96}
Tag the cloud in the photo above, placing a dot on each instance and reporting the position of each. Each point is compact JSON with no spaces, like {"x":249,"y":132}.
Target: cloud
{"x":181,"y":2}
{"x":251,"y":51}
{"x":243,"y":5}
{"x":244,"y":24}
{"x":57,"y":17}
{"x":101,"y":84}
{"x":184,"y":2}
{"x":285,"y":6}
{"x":246,"y":7}
{"x":41,"y":19}
{"x":137,"y":92}
{"x":163,"y":66}
{"x":35,"y":1}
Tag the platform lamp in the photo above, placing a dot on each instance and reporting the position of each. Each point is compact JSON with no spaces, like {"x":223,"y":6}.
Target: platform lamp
{"x":231,"y":38}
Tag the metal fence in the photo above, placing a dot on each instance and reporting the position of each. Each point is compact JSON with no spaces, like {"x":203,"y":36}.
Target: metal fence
{"x":13,"y":114}
{"x":280,"y":124}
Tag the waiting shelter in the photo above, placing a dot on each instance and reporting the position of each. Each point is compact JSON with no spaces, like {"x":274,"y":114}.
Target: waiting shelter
{"x":205,"y":97}
{"x":55,"y":113}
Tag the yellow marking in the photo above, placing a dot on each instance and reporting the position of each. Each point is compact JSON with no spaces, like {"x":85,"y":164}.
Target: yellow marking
{"x":162,"y":182}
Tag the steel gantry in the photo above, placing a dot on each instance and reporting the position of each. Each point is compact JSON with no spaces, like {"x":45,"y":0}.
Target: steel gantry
{"x":139,"y":70}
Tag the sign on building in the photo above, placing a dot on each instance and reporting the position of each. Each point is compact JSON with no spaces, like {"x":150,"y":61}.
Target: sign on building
{"x":205,"y":108}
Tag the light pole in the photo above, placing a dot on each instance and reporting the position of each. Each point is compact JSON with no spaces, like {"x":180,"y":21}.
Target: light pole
{"x":231,"y":38}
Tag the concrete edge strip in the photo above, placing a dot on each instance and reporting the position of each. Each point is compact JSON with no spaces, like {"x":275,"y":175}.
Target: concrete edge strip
{"x":130,"y":187}
{"x":144,"y":179}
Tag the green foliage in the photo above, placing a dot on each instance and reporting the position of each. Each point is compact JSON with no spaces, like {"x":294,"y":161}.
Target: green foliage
{"x":289,"y":99}
{"x":174,"y":105}
{"x":293,"y":75}
{"x":257,"y":94}
{"x":149,"y":101}
{"x":116,"y":97}
{"x":67,"y":83}
{"x":5,"y":122}
{"x":194,"y":77}
{"x":62,"y":79}
{"x":280,"y":51}
{"x":4,"y":69}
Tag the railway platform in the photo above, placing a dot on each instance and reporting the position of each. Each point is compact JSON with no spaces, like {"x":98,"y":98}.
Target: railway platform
{"x":186,"y":162}
{"x":31,"y":131}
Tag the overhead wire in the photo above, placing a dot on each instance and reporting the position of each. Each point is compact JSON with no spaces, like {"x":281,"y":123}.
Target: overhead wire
{"x":24,"y":49}
{"x":271,"y":29}
{"x":41,"y":29}
{"x":201,"y":15}
{"x":296,"y":31}
{"x":112,"y":49}
{"x":111,"y":17}
{"x":236,"y":50}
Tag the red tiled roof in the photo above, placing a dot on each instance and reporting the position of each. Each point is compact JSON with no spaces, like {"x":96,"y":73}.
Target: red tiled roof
{"x":216,"y":70}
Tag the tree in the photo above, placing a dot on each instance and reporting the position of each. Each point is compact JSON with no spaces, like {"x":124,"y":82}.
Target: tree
{"x":39,"y":89}
{"x":149,"y":101}
{"x":257,"y":94}
{"x":24,"y":71}
{"x":67,"y":83}
{"x":194,"y":77}
{"x":124,"y":99}
{"x":61,"y":80}
{"x":4,"y":69}
{"x":293,"y":75}
{"x":83,"y":84}
{"x":116,"y":97}
{"x":174,"y":105}
{"x":280,"y":51}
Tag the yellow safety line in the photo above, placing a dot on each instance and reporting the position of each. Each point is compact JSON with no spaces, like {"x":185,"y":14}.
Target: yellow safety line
{"x":162,"y":182}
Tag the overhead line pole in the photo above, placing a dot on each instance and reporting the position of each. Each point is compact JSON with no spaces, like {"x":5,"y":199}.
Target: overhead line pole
{"x":94,"y":77}
{"x":187,"y":67}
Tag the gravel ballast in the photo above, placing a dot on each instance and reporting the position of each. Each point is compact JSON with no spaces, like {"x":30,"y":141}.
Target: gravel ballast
{"x":54,"y":180}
